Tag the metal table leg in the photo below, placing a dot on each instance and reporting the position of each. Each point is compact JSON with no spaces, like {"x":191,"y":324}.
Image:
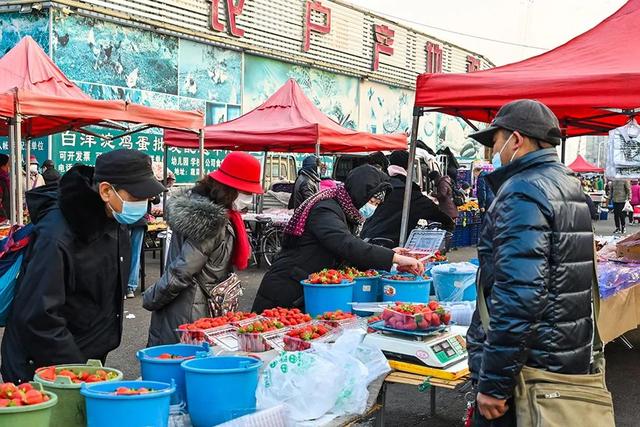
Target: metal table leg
{"x":382,"y":398}
{"x":433,"y":401}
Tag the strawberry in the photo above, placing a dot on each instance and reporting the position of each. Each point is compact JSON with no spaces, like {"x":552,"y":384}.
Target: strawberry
{"x":164,"y":356}
{"x":33,"y":397}
{"x":25,"y":387}
{"x":16,"y":402}
{"x":7,"y":390}
{"x":433,"y":305}
{"x":435,"y":320}
{"x":4,"y":403}
{"x":446,"y":318}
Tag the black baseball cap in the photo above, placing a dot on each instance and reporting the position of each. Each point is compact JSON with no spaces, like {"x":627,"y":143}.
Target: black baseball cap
{"x":129,"y":170}
{"x":529,"y":117}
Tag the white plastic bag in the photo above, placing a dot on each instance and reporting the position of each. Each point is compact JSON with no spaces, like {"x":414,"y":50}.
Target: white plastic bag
{"x":306,"y":383}
{"x":627,"y":207}
{"x":375,"y":361}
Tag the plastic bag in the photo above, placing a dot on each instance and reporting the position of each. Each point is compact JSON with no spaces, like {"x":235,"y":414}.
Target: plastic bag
{"x":278,"y":416}
{"x":306,"y":383}
{"x":375,"y":361}
{"x":627,"y":207}
{"x":462,"y":275}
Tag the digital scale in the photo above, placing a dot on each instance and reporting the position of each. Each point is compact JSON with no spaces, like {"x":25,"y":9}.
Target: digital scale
{"x":440,"y":350}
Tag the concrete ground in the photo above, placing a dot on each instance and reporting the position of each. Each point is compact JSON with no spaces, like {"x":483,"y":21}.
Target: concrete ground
{"x":405,"y":404}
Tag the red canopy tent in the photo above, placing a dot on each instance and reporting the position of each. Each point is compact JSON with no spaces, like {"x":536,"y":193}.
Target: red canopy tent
{"x":287,"y":122}
{"x":37,"y":99}
{"x":580,"y":165}
{"x":581,"y":81}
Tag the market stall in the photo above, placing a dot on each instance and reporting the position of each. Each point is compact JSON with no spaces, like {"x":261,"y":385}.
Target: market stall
{"x":37,"y":99}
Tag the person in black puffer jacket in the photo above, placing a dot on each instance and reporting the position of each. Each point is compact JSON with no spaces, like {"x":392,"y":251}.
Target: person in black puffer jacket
{"x":307,"y":184}
{"x":536,"y":261}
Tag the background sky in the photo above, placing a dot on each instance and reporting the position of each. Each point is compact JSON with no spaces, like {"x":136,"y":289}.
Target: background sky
{"x":543,"y":24}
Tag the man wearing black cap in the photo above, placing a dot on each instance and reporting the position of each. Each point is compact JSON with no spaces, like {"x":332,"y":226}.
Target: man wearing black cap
{"x":536,"y":254}
{"x":385,"y":221}
{"x":69,"y":298}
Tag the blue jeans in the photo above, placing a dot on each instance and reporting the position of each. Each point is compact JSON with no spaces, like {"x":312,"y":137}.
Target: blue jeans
{"x":137,"y":238}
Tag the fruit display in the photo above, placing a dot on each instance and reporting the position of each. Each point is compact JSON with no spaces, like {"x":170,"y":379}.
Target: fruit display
{"x":470,"y":206}
{"x":193,"y":333}
{"x":405,"y":277}
{"x":412,"y":317}
{"x":329,"y":277}
{"x":299,"y":339}
{"x":337,"y":318}
{"x":126,"y":391}
{"x":354,"y":273}
{"x":22,"y":395}
{"x":51,"y":373}
{"x":288,"y":317}
{"x":168,"y":356}
{"x":251,"y":337}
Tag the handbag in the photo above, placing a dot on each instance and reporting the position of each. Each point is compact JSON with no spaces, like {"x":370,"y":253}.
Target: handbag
{"x":546,"y":399}
{"x":224,"y":296}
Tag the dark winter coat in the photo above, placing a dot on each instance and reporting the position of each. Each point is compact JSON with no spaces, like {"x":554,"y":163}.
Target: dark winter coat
{"x":444,"y":194}
{"x":200,"y":252}
{"x":328,"y":241}
{"x":69,"y":299}
{"x":483,"y":192}
{"x":51,"y":176}
{"x":536,"y":261}
{"x":385,"y":222}
{"x":5,"y":196}
{"x":307,"y":184}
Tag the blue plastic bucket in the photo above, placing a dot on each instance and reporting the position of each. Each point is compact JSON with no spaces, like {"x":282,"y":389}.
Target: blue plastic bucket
{"x":366,"y":289}
{"x":165,"y":370}
{"x":455,"y":282}
{"x":407,"y":291}
{"x":220,"y":388}
{"x":319,"y":299}
{"x":105,"y":409}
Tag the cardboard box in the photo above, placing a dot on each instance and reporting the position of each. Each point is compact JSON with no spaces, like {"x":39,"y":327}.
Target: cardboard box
{"x":629,"y":248}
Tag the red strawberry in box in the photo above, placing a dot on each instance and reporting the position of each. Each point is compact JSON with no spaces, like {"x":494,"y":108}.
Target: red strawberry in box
{"x":412,"y":317}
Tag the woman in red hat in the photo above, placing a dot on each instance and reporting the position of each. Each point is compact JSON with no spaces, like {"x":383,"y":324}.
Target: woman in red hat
{"x":209,"y":241}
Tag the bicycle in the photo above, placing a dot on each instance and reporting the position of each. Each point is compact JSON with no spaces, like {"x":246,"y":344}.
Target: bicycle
{"x":265,"y":239}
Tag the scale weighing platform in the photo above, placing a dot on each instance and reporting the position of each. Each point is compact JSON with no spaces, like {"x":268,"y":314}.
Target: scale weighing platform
{"x":439,"y":350}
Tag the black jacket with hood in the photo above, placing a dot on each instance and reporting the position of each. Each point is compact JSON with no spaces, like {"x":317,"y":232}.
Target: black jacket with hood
{"x":536,"y":263}
{"x":385,"y":221}
{"x":327,"y":242}
{"x":307,"y":184}
{"x":69,"y":297}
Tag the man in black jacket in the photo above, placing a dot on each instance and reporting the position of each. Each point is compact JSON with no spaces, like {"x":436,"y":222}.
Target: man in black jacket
{"x":536,"y":254}
{"x":307,"y":184}
{"x":69,"y":298}
{"x":49,"y":173}
{"x":385,"y":222}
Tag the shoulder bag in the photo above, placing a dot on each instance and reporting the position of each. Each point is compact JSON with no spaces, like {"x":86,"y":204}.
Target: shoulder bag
{"x":224,"y":296}
{"x":549,"y":399}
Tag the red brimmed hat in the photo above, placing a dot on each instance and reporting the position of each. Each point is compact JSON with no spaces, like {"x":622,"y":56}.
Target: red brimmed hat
{"x":240,"y":171}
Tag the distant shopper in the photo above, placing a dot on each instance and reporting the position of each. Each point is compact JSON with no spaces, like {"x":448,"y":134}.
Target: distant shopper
{"x":635,"y":198}
{"x":620,"y":195}
{"x":483,"y":190}
{"x":34,"y":179}
{"x":385,"y":222}
{"x":307,"y":184}
{"x":5,"y":188}
{"x":444,"y":193}
{"x":49,"y":173}
{"x":68,"y":304}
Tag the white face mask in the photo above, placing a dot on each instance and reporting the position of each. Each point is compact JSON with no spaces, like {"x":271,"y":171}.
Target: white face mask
{"x":368,"y":210}
{"x":243,"y":201}
{"x":33,"y":169}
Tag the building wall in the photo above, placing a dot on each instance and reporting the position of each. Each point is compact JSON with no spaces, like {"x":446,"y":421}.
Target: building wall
{"x":110,"y":61}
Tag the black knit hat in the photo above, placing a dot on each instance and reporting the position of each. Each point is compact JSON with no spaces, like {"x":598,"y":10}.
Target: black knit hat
{"x":399,"y":158}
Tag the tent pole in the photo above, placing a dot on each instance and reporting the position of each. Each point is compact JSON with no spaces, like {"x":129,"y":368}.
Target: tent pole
{"x":264,"y":181}
{"x":406,"y":205}
{"x":563,"y":149}
{"x":27,"y":161}
{"x":318,"y":149}
{"x":20,"y":180}
{"x":201,"y":147}
{"x":165,"y":172}
{"x":12,"y":171}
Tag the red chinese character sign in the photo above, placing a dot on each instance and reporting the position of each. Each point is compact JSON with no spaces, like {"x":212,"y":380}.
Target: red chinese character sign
{"x":473,"y":64}
{"x":309,"y":25}
{"x":233,"y":10}
{"x":434,"y":58}
{"x":383,"y":37}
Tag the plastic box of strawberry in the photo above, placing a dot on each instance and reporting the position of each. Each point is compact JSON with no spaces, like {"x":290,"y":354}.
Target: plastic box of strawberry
{"x":302,"y":338}
{"x":339,"y":319}
{"x":415,"y":317}
{"x":198,"y":331}
{"x":251,"y":337}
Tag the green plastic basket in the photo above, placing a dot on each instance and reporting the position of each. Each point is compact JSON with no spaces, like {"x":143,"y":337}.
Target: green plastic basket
{"x":70,"y":410}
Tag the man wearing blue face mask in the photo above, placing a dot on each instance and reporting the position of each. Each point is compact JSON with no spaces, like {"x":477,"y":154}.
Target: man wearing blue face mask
{"x":536,"y":263}
{"x":69,"y":298}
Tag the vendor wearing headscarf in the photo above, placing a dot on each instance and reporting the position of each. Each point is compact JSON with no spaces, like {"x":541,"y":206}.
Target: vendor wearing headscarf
{"x":385,"y":221}
{"x":307,"y":184}
{"x":320,"y":235}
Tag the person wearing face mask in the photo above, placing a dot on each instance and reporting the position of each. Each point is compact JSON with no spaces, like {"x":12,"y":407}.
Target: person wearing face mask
{"x":33,"y":177}
{"x":536,"y":262}
{"x":208,"y":242}
{"x":69,"y":296}
{"x":321,"y":235}
{"x":385,"y":221}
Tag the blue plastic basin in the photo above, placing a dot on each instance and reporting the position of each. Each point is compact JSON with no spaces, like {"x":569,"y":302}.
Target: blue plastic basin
{"x":165,"y":370}
{"x":105,"y":409}
{"x":407,"y":291}
{"x":220,"y":388}
{"x":319,"y":299}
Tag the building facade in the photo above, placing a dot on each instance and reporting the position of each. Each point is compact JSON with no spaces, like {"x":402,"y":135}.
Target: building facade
{"x":225,"y":57}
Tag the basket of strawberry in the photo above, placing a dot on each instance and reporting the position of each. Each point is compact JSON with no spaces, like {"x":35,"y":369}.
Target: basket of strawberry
{"x":327,"y":290}
{"x":338,"y":318}
{"x":195,"y":333}
{"x":302,"y":338}
{"x":251,"y":337}
{"x":26,"y":405}
{"x":288,"y":317}
{"x":367,"y":284}
{"x":416,"y":317}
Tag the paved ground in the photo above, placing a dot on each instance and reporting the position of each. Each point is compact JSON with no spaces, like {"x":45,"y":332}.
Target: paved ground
{"x":405,"y":404}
